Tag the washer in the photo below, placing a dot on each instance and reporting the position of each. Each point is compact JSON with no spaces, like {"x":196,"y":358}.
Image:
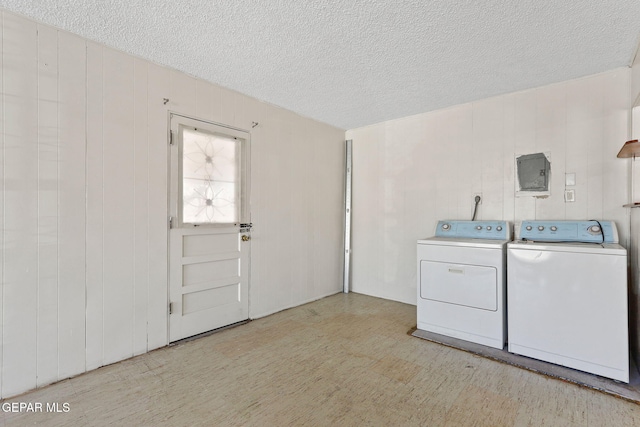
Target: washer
{"x":461,"y":281}
{"x":567,"y":296}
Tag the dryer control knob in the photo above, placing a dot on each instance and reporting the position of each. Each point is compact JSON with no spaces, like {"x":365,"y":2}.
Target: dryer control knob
{"x":554,"y":228}
{"x":541,"y":227}
{"x":446,"y":226}
{"x":499,"y":228}
{"x":528,"y":227}
{"x":478,"y":227}
{"x":488,"y":228}
{"x":594,"y":229}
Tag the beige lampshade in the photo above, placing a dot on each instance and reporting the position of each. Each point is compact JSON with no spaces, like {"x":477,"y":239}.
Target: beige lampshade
{"x":630,"y":149}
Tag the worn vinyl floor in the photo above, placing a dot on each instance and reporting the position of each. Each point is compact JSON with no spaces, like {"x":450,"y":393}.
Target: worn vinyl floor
{"x":345,"y":360}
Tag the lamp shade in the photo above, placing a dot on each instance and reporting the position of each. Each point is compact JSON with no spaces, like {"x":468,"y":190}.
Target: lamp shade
{"x":630,"y":149}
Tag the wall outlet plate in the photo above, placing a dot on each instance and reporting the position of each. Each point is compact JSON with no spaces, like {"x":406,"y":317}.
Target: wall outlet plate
{"x":569,"y":196}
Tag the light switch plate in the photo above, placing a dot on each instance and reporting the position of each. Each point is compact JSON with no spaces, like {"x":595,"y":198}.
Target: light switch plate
{"x":570,"y":179}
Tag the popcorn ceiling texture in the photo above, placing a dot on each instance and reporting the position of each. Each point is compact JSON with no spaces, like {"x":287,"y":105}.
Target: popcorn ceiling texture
{"x":352,"y":63}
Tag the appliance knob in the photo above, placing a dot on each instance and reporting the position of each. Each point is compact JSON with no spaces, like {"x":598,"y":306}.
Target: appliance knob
{"x":595,"y":229}
{"x":499,"y":228}
{"x":554,"y":228}
{"x":446,"y":226}
{"x":541,"y":227}
{"x":528,"y":227}
{"x":488,"y":228}
{"x":479,"y":227}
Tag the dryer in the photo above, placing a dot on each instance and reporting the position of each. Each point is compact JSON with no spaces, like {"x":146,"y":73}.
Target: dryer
{"x":461,"y":281}
{"x":567,"y":296}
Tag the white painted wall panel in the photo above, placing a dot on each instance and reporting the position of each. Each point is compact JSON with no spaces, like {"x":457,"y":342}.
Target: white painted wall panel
{"x":445,"y":158}
{"x":508,"y":162}
{"x":634,"y":294}
{"x":95,"y":214}
{"x":615,"y":131}
{"x":141,"y":207}
{"x":487,"y":137}
{"x":283,"y":191}
{"x":71,"y":205}
{"x":367,"y":204}
{"x":635,"y":79}
{"x":396,"y":199}
{"x":300,"y":196}
{"x":158,"y":82}
{"x":277,"y":142}
{"x":525,"y":143}
{"x":225,"y":106}
{"x":20,"y":299}
{"x":204,"y":95}
{"x":551,"y":138}
{"x":594,"y":146}
{"x":183,"y":96}
{"x":465,"y":187}
{"x":471,"y":149}
{"x":244,"y":111}
{"x":84,"y":149}
{"x":119,"y":205}
{"x":578,"y":117}
{"x":2,"y":186}
{"x":47,"y":346}
{"x":216,"y":106}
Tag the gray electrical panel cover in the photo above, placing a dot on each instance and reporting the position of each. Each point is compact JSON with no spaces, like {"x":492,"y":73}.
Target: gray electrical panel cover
{"x":533,"y":172}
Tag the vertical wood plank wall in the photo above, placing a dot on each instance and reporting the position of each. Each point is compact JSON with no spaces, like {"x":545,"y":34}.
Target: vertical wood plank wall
{"x":634,"y":250}
{"x":410,"y":173}
{"x":83,"y":173}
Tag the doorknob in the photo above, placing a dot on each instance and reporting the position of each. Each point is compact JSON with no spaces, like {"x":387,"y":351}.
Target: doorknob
{"x":245,"y":238}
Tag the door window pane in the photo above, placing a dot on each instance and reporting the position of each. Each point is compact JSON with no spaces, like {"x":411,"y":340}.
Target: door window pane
{"x":210,"y":177}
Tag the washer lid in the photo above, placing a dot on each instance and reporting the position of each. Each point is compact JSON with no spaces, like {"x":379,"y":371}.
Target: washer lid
{"x":590,"y":248}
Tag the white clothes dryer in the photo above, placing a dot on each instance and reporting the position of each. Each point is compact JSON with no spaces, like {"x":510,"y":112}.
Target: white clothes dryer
{"x":461,"y":281}
{"x":567,"y":296}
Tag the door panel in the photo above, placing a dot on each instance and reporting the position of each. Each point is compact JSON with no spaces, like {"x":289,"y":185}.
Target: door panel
{"x":209,"y":259}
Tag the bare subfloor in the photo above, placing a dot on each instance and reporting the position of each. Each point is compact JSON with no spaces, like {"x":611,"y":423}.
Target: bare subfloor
{"x":344,"y":360}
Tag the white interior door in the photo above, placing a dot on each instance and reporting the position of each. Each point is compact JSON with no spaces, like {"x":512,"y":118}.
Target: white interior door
{"x":209,"y":236}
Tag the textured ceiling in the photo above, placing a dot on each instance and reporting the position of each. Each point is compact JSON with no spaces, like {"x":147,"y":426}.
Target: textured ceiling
{"x":351,"y":63}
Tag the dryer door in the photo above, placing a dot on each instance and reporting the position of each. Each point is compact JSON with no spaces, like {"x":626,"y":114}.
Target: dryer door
{"x":460,"y":284}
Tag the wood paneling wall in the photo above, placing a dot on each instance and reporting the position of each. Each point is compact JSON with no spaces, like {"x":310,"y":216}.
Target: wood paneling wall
{"x":634,"y":249}
{"x":410,"y":173}
{"x":83,"y":158}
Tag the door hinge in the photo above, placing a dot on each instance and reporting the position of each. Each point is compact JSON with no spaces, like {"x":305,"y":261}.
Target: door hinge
{"x":170,"y":308}
{"x":170,"y":222}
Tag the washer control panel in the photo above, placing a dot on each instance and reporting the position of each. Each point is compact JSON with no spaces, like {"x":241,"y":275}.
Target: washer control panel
{"x":568,"y":231}
{"x":493,"y":230}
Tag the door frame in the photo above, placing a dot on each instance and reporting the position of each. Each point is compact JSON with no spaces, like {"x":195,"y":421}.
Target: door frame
{"x":245,"y":223}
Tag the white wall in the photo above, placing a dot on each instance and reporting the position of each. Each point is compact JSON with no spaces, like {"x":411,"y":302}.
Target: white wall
{"x":410,"y":173}
{"x":634,"y":249}
{"x":84,"y":202}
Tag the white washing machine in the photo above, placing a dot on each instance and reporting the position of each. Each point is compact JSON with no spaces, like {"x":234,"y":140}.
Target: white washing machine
{"x":567,"y":296}
{"x":461,"y":281}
